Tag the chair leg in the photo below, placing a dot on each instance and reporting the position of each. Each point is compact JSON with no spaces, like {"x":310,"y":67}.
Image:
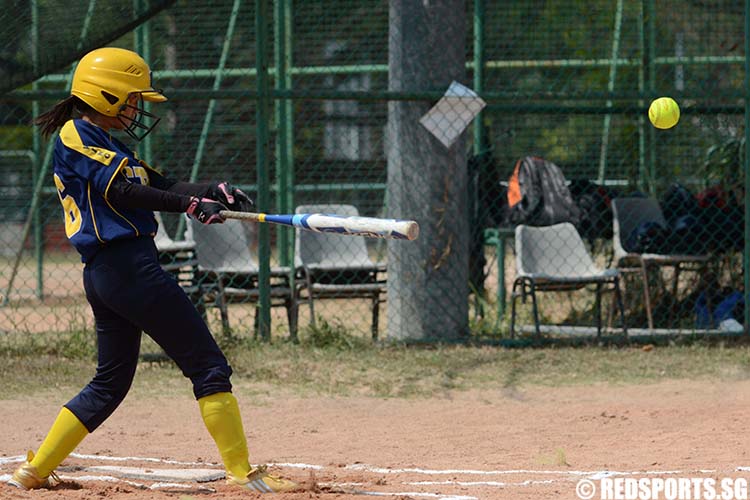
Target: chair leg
{"x":647,"y":295}
{"x":291,"y":316}
{"x":256,"y":322}
{"x":223,"y":310}
{"x":309,"y":287}
{"x":598,"y":310}
{"x":535,"y":309}
{"x":513,"y":297}
{"x":616,"y":301}
{"x":673,"y":305}
{"x":611,"y":311}
{"x":375,"y":315}
{"x":312,"y":308}
{"x":620,"y":305}
{"x":197,"y":298}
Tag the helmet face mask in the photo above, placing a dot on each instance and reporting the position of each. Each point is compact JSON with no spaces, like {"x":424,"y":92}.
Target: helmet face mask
{"x":142,"y":121}
{"x":106,"y":78}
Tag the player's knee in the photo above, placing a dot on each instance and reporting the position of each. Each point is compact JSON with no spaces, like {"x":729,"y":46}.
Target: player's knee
{"x":212,"y":380}
{"x":98,"y":400}
{"x":113,"y":393}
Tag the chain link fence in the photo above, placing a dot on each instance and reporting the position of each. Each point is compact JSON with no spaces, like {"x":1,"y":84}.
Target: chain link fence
{"x":316,"y":106}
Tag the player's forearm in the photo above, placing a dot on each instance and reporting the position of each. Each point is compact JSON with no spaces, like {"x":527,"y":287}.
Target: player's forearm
{"x":201,"y":190}
{"x":125,"y":194}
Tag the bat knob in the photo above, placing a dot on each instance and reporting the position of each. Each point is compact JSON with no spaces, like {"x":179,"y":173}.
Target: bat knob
{"x":412,"y":232}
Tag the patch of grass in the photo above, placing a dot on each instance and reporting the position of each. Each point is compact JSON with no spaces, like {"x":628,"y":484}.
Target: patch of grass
{"x":334,"y":336}
{"x":77,"y":345}
{"x":327,"y":361}
{"x":557,"y":459}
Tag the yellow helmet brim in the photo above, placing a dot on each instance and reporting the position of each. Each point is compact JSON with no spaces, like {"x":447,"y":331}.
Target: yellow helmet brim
{"x":153,"y":96}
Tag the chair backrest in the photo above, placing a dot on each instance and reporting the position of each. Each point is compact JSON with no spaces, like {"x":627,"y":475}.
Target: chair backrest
{"x":224,"y":247}
{"x":188,"y":230}
{"x":165,"y":242}
{"x":330,"y":249}
{"x":553,"y":251}
{"x":162,"y":239}
{"x":628,"y":214}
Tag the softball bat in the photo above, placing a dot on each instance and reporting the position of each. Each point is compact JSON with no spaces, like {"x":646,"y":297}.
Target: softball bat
{"x":369,"y":227}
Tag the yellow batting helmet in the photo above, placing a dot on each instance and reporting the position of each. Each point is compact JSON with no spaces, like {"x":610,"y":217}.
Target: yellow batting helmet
{"x":104,"y":78}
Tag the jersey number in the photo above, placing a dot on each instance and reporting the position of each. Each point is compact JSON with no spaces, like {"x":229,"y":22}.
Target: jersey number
{"x":70,"y":209}
{"x":136,"y":173}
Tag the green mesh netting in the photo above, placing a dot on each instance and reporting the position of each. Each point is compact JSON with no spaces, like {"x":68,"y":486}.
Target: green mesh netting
{"x":64,"y":30}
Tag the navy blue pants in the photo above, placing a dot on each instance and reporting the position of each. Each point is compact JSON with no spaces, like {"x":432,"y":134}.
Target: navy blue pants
{"x":129,"y":293}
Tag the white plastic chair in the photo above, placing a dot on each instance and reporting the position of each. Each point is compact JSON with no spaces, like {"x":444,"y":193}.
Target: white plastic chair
{"x":164,"y":243}
{"x":552,"y":259}
{"x":332,"y":266}
{"x":178,"y":259}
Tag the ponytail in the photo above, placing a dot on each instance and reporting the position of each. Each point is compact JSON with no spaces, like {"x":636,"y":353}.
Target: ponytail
{"x":60,"y":113}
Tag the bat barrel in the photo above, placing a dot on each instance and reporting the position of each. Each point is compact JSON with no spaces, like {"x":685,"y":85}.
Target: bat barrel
{"x":369,"y":227}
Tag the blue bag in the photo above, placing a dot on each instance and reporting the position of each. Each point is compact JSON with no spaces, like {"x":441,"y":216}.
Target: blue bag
{"x":720,"y":312}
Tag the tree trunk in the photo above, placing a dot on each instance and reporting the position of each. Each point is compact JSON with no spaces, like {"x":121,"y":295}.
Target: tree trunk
{"x":427,"y":278}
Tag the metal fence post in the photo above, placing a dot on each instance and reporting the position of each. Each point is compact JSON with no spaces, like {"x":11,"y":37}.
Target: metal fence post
{"x":284,"y":133}
{"x":262,"y":138}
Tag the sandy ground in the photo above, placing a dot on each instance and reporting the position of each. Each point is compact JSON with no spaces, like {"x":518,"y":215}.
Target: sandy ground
{"x":522,"y":444}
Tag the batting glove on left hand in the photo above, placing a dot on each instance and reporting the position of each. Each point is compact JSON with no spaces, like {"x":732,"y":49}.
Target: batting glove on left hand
{"x":232,"y":197}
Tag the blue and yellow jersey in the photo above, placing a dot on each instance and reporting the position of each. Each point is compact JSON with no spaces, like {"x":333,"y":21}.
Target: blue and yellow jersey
{"x":86,"y":160}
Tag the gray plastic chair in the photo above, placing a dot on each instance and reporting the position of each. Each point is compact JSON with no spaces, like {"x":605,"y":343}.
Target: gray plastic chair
{"x":332,"y":266}
{"x":552,"y":259}
{"x":229,"y":269}
{"x":627,"y":215}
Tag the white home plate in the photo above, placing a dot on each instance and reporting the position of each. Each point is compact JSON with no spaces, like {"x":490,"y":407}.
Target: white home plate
{"x":151,"y":474}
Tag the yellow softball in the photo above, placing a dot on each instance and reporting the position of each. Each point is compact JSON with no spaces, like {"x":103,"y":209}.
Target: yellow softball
{"x":664,"y":113}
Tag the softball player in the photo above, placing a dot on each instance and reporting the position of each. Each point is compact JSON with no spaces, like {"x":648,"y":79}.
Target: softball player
{"x":108,"y":197}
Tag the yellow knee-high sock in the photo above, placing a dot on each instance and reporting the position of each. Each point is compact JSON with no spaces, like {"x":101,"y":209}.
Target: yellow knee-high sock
{"x":221,"y":414}
{"x":66,"y":433}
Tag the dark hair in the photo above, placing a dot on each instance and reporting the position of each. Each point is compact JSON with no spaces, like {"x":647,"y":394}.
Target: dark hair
{"x":70,"y":107}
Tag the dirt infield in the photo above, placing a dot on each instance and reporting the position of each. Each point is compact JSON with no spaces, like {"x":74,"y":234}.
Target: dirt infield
{"x":522,"y":444}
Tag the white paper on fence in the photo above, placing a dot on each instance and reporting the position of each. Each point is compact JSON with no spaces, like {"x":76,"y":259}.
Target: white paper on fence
{"x":447,"y":119}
